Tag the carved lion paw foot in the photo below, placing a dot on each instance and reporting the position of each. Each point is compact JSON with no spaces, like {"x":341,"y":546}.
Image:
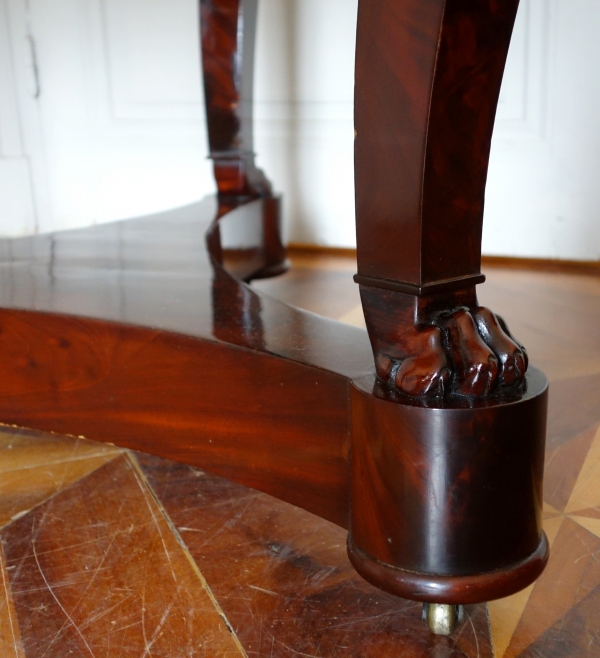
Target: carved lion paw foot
{"x":423,"y":369}
{"x":483,"y":352}
{"x":431,"y":352}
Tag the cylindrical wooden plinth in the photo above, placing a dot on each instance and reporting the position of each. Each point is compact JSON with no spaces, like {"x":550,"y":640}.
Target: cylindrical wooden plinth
{"x":447,"y":499}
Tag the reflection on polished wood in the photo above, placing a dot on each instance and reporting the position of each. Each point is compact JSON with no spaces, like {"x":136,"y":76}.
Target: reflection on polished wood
{"x":557,"y":314}
{"x":289,"y":589}
{"x":144,"y":332}
{"x":281,"y":576}
{"x":170,"y":353}
{"x":162,"y":339}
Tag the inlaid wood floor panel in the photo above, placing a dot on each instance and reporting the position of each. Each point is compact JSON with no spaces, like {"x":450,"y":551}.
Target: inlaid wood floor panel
{"x":96,"y":570}
{"x":10,"y":637}
{"x":107,"y":554}
{"x":284,"y":581}
{"x":35,"y":466}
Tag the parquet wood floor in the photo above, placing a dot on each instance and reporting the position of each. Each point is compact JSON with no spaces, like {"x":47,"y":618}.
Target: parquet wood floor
{"x":108,"y":553}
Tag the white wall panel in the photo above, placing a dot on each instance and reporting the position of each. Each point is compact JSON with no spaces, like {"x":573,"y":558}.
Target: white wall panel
{"x":17,"y":210}
{"x":542,"y":197}
{"x":123,"y":133}
{"x":153,"y":59}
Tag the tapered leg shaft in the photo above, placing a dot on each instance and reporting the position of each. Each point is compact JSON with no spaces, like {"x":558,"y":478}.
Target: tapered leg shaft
{"x":428,"y":76}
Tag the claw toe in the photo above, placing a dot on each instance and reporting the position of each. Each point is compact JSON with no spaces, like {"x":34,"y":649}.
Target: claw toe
{"x":479,"y":377}
{"x":511,"y":355}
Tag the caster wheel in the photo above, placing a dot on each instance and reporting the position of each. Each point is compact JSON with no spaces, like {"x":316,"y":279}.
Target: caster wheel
{"x":442,"y":619}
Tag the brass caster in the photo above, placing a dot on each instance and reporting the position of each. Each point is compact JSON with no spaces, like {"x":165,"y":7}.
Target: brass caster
{"x":442,"y":619}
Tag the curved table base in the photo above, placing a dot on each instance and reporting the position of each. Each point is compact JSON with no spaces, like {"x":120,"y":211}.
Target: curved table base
{"x":136,"y":333}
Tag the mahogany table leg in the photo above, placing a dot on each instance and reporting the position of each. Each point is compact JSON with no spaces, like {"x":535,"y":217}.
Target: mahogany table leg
{"x":428,"y":77}
{"x":455,"y":428}
{"x":228,"y":29}
{"x":442,"y":453}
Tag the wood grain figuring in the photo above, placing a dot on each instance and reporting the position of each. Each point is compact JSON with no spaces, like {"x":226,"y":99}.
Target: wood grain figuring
{"x":284,"y":581}
{"x":109,"y":578}
{"x":574,"y":419}
{"x":428,"y":77}
{"x":571,"y":300}
{"x":563,"y":466}
{"x":157,"y":272}
{"x":227,"y":30}
{"x":163,"y":348}
{"x":555,"y":312}
{"x":140,"y":383}
{"x":133,"y":380}
{"x":442,"y":345}
{"x":584,"y":495}
{"x":505,"y":614}
{"x":414,"y":511}
{"x":546,"y":609}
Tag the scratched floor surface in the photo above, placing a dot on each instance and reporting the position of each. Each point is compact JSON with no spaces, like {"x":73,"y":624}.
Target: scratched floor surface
{"x":107,"y":553}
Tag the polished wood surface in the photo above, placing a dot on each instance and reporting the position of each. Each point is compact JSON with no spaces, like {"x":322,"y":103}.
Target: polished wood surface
{"x":204,"y":369}
{"x":227,"y":30}
{"x":227,"y":36}
{"x":280,"y":575}
{"x":428,"y":77}
{"x":424,"y":483}
{"x":184,"y":346}
{"x":265,"y":394}
{"x":434,"y":494}
{"x":296,"y":578}
{"x":558,"y":315}
{"x":444,"y":345}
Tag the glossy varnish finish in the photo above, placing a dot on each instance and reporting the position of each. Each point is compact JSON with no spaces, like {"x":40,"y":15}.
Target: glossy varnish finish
{"x":187,"y":347}
{"x":558,"y":316}
{"x":227,"y":38}
{"x":136,"y":384}
{"x":430,"y":457}
{"x":556,"y":618}
{"x":289,"y":570}
{"x":227,"y":29}
{"x":233,"y":395}
{"x":415,"y":471}
{"x":428,"y":77}
{"x":202,"y":369}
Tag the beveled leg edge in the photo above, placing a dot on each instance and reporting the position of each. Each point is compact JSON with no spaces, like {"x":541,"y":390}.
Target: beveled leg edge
{"x":450,"y":590}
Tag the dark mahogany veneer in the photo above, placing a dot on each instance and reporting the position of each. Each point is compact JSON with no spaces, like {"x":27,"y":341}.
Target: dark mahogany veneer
{"x":144,"y":332}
